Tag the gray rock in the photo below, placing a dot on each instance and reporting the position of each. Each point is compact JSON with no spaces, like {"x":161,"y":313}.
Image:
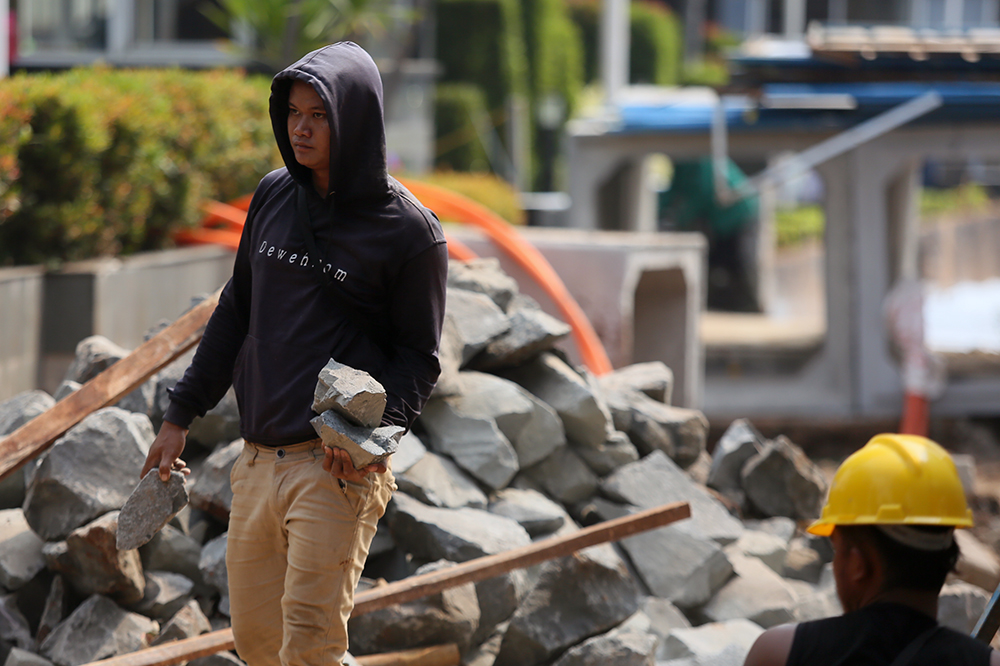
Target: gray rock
{"x":960,"y":605}
{"x":188,"y":622}
{"x":54,"y":609}
{"x":532,"y":427}
{"x":220,"y":425}
{"x":14,"y":413}
{"x":172,"y":550}
{"x":756,"y":593}
{"x":686,"y":428}
{"x":675,"y":565}
{"x":723,"y":643}
{"x":94,"y":355}
{"x":474,"y":441}
{"x":88,"y":472}
{"x":213,"y":569}
{"x":621,"y":648}
{"x":486,"y":652}
{"x":498,"y":598}
{"x":96,"y":630}
{"x":815,"y":603}
{"x":14,"y":629}
{"x":456,"y":535}
{"x":166,"y":593}
{"x":211,"y":491}
{"x":560,"y":611}
{"x":483,"y":275}
{"x":802,"y":562}
{"x":617,"y":451}
{"x":653,"y":378}
{"x":142,"y":400}
{"x":977,"y":563}
{"x":778,"y":526}
{"x":437,"y":481}
{"x":662,"y":617}
{"x":564,"y":476}
{"x":150,"y":506}
{"x":408,"y":453}
{"x":656,"y":480}
{"x":450,"y":616}
{"x":782,"y":481}
{"x":366,"y":446}
{"x":768,"y":548}
{"x":20,"y":550}
{"x":475,"y":320}
{"x":19,"y":657}
{"x":351,"y":393}
{"x":531,"y":333}
{"x":93,"y":564}
{"x":535,"y":512}
{"x":230,"y":659}
{"x":577,"y":401}
{"x":738,"y":444}
{"x":698,"y":470}
{"x":66,"y":388}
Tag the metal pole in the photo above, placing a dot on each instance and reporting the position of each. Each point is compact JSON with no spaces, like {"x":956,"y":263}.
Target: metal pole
{"x":614,"y":47}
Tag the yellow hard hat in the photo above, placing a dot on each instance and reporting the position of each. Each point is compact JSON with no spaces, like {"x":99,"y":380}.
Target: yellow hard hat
{"x":895,"y":480}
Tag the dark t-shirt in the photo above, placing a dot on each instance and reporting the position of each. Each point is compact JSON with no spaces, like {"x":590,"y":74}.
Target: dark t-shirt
{"x":876,"y":634}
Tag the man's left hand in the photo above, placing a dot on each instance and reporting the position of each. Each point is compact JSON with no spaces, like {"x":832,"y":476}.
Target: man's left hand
{"x":338,"y":463}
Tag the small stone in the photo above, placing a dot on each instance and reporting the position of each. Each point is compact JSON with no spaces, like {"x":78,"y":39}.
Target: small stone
{"x":437,"y":481}
{"x":188,"y":622}
{"x":211,"y":491}
{"x":354,"y":394}
{"x":365,"y":445}
{"x":532,"y":510}
{"x":150,"y":506}
{"x":165,"y":594}
{"x":20,"y":550}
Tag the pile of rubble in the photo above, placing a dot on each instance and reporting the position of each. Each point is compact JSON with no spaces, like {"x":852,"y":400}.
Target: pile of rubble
{"x":516,"y":444}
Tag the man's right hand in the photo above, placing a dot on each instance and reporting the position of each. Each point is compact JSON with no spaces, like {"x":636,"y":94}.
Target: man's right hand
{"x":165,"y":452}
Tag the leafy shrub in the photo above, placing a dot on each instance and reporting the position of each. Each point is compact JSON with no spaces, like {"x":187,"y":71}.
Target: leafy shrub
{"x":97,"y":161}
{"x":656,"y":41}
{"x":486,"y":189}
{"x":458,"y":108}
{"x":799,"y":224}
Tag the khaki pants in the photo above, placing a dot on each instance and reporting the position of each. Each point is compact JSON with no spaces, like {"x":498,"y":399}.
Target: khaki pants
{"x":297,"y":543}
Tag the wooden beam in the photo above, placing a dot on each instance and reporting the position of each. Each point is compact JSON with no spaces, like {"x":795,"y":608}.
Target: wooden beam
{"x":417,"y":587}
{"x":438,"y":655}
{"x":107,"y":388}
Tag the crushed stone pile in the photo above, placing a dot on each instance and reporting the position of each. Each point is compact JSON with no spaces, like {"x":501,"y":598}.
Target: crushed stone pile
{"x":516,"y":444}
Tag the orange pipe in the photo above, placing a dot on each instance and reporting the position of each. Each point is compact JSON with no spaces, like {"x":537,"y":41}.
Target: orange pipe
{"x":916,"y":415}
{"x":450,"y":205}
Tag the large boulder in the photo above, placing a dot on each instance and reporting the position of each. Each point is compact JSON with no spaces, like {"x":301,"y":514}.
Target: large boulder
{"x":14,"y":413}
{"x":756,"y":593}
{"x":575,"y":398}
{"x":621,"y":648}
{"x":498,"y":598}
{"x":91,"y":470}
{"x":450,"y":616}
{"x":713,"y":644}
{"x":657,"y":480}
{"x":564,"y":476}
{"x":535,"y":512}
{"x":187,"y":622}
{"x":455,"y":535}
{"x":616,"y":452}
{"x":166,"y":594}
{"x":653,"y":378}
{"x":738,"y":444}
{"x":219,"y":425}
{"x":173,"y":550}
{"x":437,"y":481}
{"x":782,"y":481}
{"x":409,"y":452}
{"x":91,"y":561}
{"x":212,"y":564}
{"x":768,"y":548}
{"x":575,"y":597}
{"x":474,"y":320}
{"x":483,"y":275}
{"x":97,"y":629}
{"x":20,"y":550}
{"x":531,"y":332}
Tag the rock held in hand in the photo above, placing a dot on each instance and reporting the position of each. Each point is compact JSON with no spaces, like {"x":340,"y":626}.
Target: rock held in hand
{"x":366,"y":446}
{"x":150,"y":506}
{"x":354,"y":394}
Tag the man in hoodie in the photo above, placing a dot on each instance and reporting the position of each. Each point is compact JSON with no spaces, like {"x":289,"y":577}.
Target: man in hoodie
{"x":371,"y":295}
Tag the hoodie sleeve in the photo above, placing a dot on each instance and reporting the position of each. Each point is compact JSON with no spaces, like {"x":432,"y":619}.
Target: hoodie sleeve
{"x":210,"y":374}
{"x":416,"y":315}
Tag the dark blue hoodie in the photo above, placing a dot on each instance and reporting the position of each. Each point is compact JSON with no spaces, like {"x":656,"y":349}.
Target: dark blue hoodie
{"x":276,"y":326}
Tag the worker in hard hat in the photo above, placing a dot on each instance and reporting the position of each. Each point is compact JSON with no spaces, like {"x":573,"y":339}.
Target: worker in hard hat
{"x":891,"y":514}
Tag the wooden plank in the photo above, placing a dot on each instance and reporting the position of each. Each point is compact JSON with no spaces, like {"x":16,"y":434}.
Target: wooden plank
{"x":107,"y":388}
{"x":423,"y":585}
{"x":438,"y":655}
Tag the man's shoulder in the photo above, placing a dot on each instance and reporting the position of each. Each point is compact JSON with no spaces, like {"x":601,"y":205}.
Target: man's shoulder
{"x":411,"y":218}
{"x":277,"y":179}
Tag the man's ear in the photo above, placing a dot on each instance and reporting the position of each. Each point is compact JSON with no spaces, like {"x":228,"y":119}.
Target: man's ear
{"x":864,"y":566}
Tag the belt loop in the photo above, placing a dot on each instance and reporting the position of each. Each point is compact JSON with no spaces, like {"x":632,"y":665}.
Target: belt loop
{"x":254,"y":459}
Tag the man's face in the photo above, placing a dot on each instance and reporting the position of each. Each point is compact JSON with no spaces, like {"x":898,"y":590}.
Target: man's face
{"x":308,"y":127}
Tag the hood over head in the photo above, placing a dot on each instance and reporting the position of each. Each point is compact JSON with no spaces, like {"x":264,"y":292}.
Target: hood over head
{"x":347,"y":80}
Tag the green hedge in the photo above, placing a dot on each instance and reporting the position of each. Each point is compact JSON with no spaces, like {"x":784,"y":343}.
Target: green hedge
{"x":656,"y":41}
{"x":97,"y":161}
{"x":457,"y":109}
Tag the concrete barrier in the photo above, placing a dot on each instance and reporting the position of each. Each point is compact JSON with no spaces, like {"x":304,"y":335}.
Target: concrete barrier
{"x":121,"y":298}
{"x":20,"y":326}
{"x":643,"y":292}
